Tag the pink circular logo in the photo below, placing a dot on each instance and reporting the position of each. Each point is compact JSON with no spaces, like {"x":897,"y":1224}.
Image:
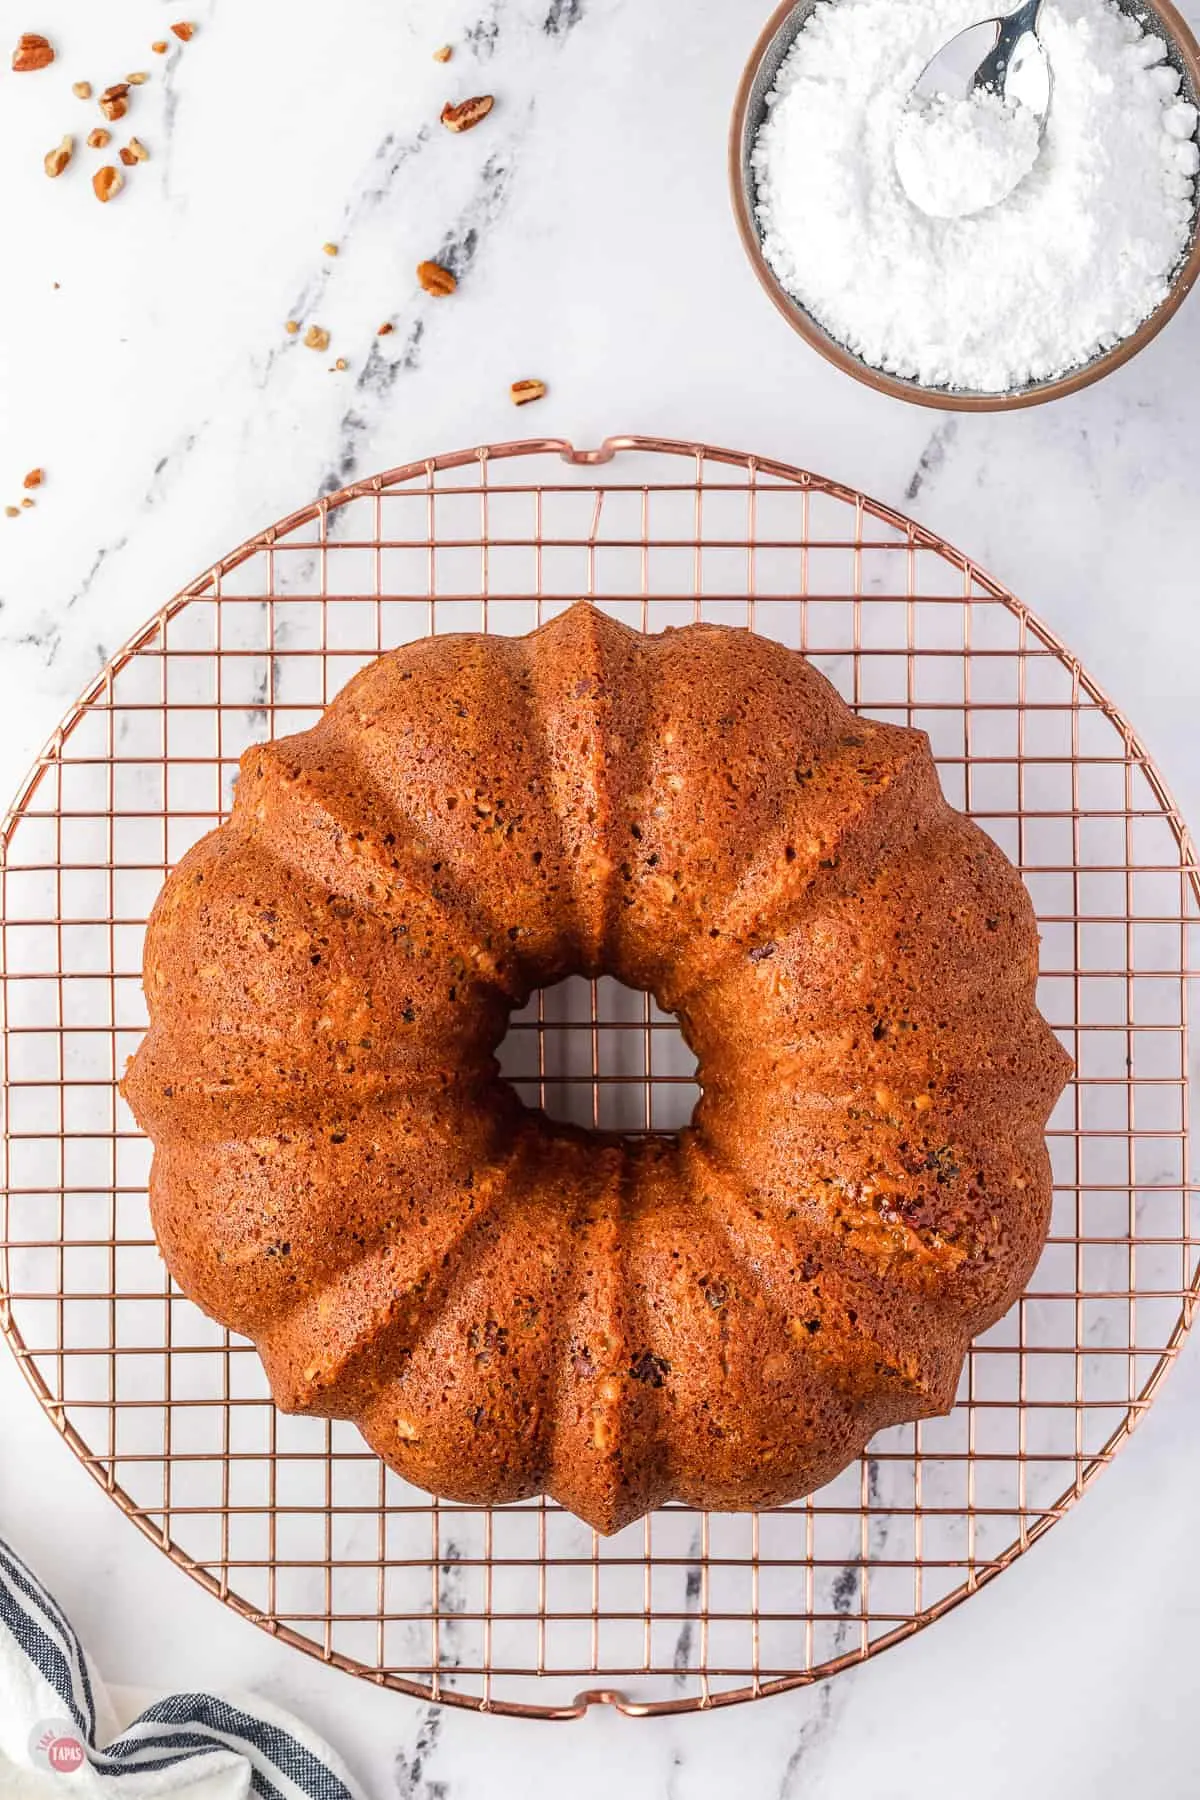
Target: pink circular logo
{"x":55,"y":1744}
{"x":65,"y":1753}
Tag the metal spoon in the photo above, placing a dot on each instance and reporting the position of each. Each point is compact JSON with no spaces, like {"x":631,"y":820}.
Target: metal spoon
{"x":1001,"y":56}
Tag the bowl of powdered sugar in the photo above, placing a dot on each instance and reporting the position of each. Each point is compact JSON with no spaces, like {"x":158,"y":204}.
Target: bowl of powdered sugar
{"x":1063,"y":279}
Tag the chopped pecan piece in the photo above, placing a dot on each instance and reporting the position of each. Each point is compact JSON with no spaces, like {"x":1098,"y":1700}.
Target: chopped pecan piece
{"x":435,"y":279}
{"x":56,"y":160}
{"x":107,"y":182}
{"x":33,"y":51}
{"x":464,"y":115}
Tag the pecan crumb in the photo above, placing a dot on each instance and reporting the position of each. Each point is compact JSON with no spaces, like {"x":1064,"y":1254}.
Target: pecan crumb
{"x":524,"y":391}
{"x":435,"y":279}
{"x":183,"y":30}
{"x":330,"y":249}
{"x":113,"y":101}
{"x":291,"y":327}
{"x":56,"y":160}
{"x":138,"y":78}
{"x":34,"y":479}
{"x":443,"y":54}
{"x":650,"y":1369}
{"x":385,"y":329}
{"x":33,"y":51}
{"x":316,"y":338}
{"x":465,"y":114}
{"x":138,"y":150}
{"x":107,"y":182}
{"x":82,"y":90}
{"x":12,"y":512}
{"x":126,"y":155}
{"x":160,"y":46}
{"x":99,"y":138}
{"x":340,"y":365}
{"x":28,"y":502}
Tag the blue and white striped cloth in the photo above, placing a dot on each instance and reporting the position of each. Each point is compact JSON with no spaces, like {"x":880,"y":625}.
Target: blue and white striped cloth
{"x":52,"y":1712}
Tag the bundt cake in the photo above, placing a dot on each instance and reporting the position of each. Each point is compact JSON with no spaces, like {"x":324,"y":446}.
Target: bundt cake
{"x":506,"y":1305}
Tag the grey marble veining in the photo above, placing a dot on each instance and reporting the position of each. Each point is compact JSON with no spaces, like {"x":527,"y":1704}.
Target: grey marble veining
{"x":147,"y":368}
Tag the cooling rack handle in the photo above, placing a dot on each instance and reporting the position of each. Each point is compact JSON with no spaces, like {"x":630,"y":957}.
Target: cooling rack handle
{"x":613,"y":1697}
{"x":604,"y":452}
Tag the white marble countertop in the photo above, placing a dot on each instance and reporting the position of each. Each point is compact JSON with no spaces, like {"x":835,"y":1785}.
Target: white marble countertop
{"x":144,"y":365}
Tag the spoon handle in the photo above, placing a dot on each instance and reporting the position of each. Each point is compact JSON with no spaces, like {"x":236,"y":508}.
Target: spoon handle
{"x":993,"y":70}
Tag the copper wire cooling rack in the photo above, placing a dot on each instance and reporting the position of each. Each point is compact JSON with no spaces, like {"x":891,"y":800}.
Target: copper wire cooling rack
{"x":293,"y":1522}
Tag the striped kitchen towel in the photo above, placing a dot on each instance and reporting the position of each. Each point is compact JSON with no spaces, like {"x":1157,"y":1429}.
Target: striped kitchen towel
{"x":52,"y":1712}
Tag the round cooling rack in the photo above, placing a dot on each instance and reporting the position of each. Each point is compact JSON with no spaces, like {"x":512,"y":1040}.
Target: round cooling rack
{"x":293,"y":1522}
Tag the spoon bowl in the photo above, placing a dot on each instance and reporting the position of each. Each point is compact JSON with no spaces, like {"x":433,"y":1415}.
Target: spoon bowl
{"x":995,"y":76}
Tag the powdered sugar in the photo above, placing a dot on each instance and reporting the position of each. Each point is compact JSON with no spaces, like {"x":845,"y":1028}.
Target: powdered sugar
{"x":1069,"y":264}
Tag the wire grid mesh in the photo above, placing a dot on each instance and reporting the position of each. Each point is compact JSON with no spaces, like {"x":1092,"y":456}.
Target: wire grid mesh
{"x":293,"y":1521}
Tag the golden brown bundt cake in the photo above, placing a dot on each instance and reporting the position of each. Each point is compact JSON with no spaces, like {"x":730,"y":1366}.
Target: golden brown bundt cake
{"x":506,"y":1305}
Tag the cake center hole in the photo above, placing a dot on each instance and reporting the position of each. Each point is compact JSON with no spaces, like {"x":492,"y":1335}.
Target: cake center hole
{"x":603,"y":1056}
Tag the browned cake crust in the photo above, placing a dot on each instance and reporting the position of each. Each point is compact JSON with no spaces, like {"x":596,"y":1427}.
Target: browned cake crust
{"x":508,"y":1306}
